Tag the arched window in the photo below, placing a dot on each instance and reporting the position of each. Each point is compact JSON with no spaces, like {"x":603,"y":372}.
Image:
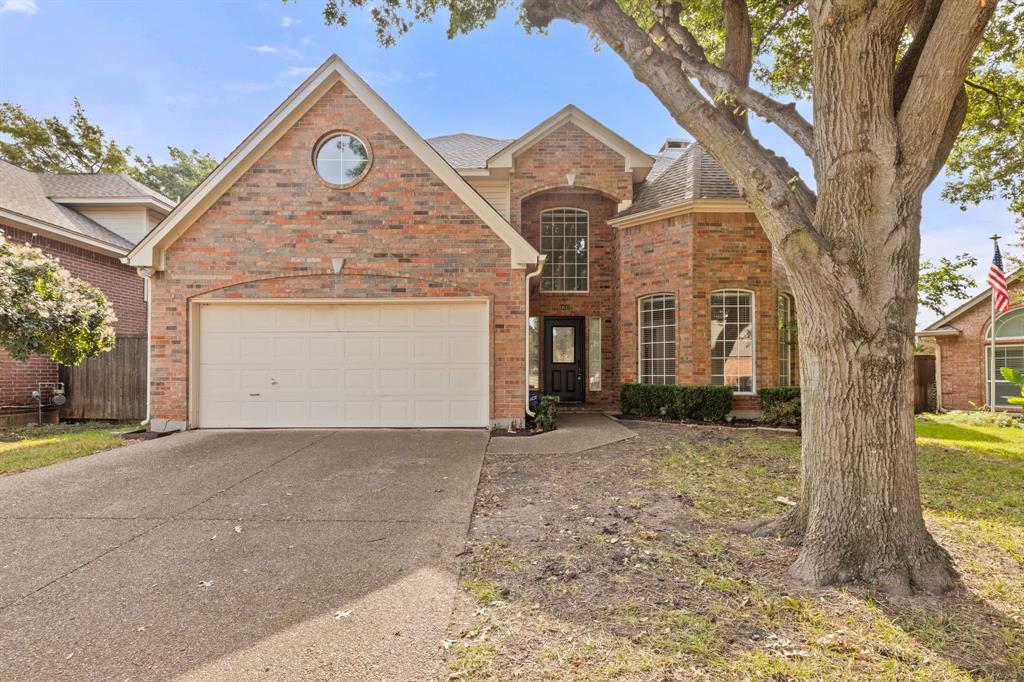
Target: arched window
{"x":787,"y":339}
{"x":732,"y":339}
{"x":657,"y":326}
{"x":565,"y":240}
{"x":1009,"y":328}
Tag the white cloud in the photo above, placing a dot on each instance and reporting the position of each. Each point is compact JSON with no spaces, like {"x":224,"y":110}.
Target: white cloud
{"x":287,"y":21}
{"x":306,"y":40}
{"x":19,"y":6}
{"x":282,"y":50}
{"x":298,"y":71}
{"x":286,"y":77}
{"x":180,"y":98}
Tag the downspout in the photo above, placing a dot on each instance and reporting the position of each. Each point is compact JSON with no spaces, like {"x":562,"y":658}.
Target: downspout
{"x":146,"y":274}
{"x":526,"y":356}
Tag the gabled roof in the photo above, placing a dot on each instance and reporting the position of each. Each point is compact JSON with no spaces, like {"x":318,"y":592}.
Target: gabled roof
{"x":463,"y":150}
{"x":942,"y":326}
{"x":148,"y":252}
{"x":25,"y":203}
{"x":634,"y":156}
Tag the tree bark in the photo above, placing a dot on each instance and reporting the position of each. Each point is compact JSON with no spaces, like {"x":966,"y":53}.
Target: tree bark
{"x":859,"y":514}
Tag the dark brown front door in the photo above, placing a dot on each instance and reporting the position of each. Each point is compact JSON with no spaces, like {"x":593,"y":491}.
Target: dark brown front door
{"x":563,"y":358}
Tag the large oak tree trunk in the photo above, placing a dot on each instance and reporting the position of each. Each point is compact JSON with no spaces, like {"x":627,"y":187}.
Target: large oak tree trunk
{"x":859,"y":514}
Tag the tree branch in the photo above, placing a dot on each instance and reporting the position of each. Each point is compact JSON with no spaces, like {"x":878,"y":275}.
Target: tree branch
{"x":783,"y":204}
{"x":937,"y":83}
{"x":737,"y":57}
{"x":716,"y":81}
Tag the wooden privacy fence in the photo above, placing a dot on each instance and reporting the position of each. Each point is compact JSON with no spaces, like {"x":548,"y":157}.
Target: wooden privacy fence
{"x":111,"y":385}
{"x":924,"y":383}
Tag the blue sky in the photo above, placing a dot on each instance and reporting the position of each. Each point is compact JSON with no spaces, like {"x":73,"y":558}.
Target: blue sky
{"x":204,"y":74}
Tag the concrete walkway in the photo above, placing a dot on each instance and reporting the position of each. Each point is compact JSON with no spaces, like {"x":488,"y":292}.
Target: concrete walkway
{"x":237,"y":555}
{"x":576,"y":432}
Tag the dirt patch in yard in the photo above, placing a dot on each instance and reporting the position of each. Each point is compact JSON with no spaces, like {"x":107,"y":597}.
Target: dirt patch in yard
{"x":621,"y":563}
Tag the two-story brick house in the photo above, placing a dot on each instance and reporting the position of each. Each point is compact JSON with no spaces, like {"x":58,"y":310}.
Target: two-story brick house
{"x":339,"y":270}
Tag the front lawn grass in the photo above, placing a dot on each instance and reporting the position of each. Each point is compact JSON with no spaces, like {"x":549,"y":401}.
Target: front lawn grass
{"x":622,"y":563}
{"x":30,"y":447}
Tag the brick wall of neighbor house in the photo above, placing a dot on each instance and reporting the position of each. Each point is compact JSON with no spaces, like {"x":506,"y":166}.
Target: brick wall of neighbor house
{"x":118,"y":282}
{"x":600,"y":300}
{"x":692,"y":256}
{"x":401,"y":230}
{"x":961,"y":362}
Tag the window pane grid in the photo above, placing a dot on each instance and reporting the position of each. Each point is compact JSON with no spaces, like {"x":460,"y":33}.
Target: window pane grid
{"x":732,"y":340}
{"x":658,"y":339}
{"x":1006,"y":356}
{"x":564,"y":239}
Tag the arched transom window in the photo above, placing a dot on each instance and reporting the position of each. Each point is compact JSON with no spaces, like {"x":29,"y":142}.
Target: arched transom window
{"x":1009,"y":352}
{"x":565,"y":240}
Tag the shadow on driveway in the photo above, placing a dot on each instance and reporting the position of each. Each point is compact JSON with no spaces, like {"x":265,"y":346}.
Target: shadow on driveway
{"x":235,"y":554}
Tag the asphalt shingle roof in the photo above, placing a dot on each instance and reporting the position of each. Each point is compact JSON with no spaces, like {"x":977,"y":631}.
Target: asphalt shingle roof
{"x":682,"y":175}
{"x":97,"y":185}
{"x":24,"y":193}
{"x":463,"y":150}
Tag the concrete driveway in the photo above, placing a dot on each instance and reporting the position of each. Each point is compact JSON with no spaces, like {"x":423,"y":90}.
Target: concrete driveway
{"x":237,"y":555}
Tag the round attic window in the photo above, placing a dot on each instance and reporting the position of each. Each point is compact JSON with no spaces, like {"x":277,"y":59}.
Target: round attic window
{"x":341,"y":159}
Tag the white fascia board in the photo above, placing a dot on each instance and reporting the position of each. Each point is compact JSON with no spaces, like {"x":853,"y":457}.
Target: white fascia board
{"x":23,"y":222}
{"x":633,"y":155}
{"x":692,"y":206}
{"x":148,"y":252}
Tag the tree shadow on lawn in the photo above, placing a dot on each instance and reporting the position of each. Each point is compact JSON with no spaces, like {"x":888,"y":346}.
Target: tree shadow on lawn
{"x":611,"y":564}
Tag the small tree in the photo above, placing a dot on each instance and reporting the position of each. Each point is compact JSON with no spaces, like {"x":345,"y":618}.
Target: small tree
{"x":46,"y":311}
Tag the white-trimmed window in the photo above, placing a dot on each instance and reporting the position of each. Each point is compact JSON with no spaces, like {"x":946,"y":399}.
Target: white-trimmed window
{"x":565,"y":240}
{"x":732,"y":339}
{"x":787,"y":339}
{"x":658,"y":339}
{"x":1009,"y":327}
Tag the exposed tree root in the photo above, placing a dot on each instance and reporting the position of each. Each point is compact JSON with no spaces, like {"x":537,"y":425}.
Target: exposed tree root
{"x":786,"y":528}
{"x":923,"y":566}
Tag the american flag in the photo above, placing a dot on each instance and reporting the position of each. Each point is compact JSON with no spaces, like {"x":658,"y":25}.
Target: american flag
{"x":997,"y":280}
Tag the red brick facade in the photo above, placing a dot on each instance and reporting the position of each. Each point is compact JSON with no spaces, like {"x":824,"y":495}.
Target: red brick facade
{"x":404,"y":233}
{"x":691,"y":256}
{"x":401,"y":230}
{"x":119,"y":283}
{"x":960,"y":364}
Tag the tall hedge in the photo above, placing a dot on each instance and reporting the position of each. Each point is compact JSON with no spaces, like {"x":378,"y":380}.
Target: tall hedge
{"x":700,"y":403}
{"x":770,"y":397}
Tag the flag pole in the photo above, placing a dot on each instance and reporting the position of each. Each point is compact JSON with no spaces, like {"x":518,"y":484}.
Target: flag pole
{"x":992,"y":332}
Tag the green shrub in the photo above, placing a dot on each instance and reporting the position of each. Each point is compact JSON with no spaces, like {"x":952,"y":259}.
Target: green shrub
{"x":700,"y":403}
{"x":547,"y":413}
{"x":976,"y":418}
{"x":777,"y":394}
{"x":782,"y":413}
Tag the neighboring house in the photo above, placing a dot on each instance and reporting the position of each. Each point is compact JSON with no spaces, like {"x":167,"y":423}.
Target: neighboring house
{"x":963,"y":352}
{"x":88,"y":222}
{"x":339,"y":270}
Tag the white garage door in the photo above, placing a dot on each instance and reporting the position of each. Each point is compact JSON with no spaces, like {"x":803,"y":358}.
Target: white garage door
{"x":356,"y":365}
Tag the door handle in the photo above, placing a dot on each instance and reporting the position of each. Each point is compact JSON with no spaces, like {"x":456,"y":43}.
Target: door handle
{"x":254,"y":395}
